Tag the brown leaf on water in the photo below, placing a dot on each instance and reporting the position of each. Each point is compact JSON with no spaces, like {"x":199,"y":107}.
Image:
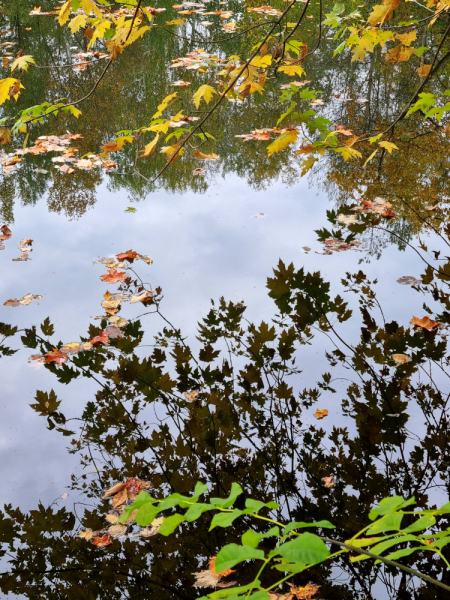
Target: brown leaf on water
{"x":146,"y":297}
{"x":114,"y":332}
{"x":56,"y":356}
{"x":25,"y":300}
{"x":131,"y":517}
{"x":86,"y":535}
{"x":102,"y":338}
{"x":425,"y":323}
{"x":401,"y":359}
{"x":6,"y":230}
{"x":329,"y":481}
{"x":118,"y":529}
{"x":25,"y":242}
{"x":321,"y":413}
{"x":199,"y":154}
{"x":388,"y":214}
{"x":114,"y":490}
{"x":408,"y":280}
{"x":5,"y":135}
{"x":101,"y":541}
{"x":129,"y":255}
{"x":305,"y":593}
{"x":190,"y":397}
{"x":112,"y":518}
{"x":120,"y":498}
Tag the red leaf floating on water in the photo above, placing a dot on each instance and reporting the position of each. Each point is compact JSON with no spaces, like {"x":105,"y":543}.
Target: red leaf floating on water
{"x":102,"y":338}
{"x":56,"y":356}
{"x":101,"y":541}
{"x":113,"y":276}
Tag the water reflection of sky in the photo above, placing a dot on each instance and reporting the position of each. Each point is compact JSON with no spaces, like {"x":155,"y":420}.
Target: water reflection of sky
{"x":203,"y":247}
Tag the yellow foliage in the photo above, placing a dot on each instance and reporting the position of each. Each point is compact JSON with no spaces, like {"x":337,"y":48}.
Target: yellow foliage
{"x":423,"y":70}
{"x":399,"y":54}
{"x":100,"y":28}
{"x":361,"y":48}
{"x":204,"y":91}
{"x":379,"y":15}
{"x":164,"y":104}
{"x":22,"y":62}
{"x":370,"y":157}
{"x":8,"y":85}
{"x":176,"y":22}
{"x":292,"y":70}
{"x":282,"y":142}
{"x":150,"y":148}
{"x":77,"y":22}
{"x":348,"y":153}
{"x":262,"y":61}
{"x":89,"y":6}
{"x":407,"y":38}
{"x":64,"y":12}
{"x":389,"y":146}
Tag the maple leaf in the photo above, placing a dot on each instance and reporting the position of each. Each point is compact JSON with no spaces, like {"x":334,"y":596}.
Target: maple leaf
{"x":306,"y":592}
{"x":401,"y":358}
{"x":88,"y":534}
{"x":321,"y":413}
{"x":425,"y":323}
{"x":282,"y":142}
{"x":206,"y":156}
{"x":101,"y":541}
{"x":292,"y":70}
{"x":342,"y":129}
{"x":120,"y":498}
{"x":5,"y":135}
{"x":129,"y":255}
{"x":379,"y":14}
{"x":56,"y":356}
{"x":407,"y":38}
{"x":64,"y":12}
{"x":190,"y":397}
{"x":113,"y":276}
{"x":206,"y":92}
{"x":9,"y":87}
{"x":389,"y":146}
{"x":146,"y":298}
{"x":423,"y":70}
{"x":150,"y":148}
{"x":102,"y":338}
{"x":22,"y":62}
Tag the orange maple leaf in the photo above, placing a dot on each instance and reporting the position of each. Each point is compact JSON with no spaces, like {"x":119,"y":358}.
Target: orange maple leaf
{"x":101,"y":541}
{"x":113,"y":276}
{"x":425,"y":323}
{"x":129,"y":255}
{"x":56,"y":356}
{"x":102,"y":338}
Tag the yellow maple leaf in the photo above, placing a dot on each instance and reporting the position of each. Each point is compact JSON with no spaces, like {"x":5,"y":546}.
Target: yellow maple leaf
{"x":423,"y":70}
{"x":6,"y":86}
{"x":389,"y":146}
{"x":405,"y":54}
{"x":379,"y":15}
{"x":22,"y":62}
{"x":204,"y":91}
{"x":282,"y":142}
{"x":89,"y":6}
{"x":164,"y":104}
{"x":212,"y":156}
{"x":150,"y":148}
{"x":64,"y":12}
{"x":262,"y":61}
{"x":77,"y":22}
{"x":361,"y":48}
{"x":348,"y":153}
{"x":292,"y":70}
{"x":176,"y":22}
{"x":407,"y":38}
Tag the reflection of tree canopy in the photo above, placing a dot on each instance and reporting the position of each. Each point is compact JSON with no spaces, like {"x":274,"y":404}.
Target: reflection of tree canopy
{"x":250,"y":422}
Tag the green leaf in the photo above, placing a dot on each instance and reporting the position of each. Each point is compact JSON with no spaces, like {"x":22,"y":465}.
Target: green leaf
{"x":387,"y":523}
{"x":390,"y":505}
{"x":232,"y":555}
{"x":260,"y":595}
{"x":225,"y":593}
{"x":290,"y":567}
{"x":224,"y":519}
{"x":380,"y":548}
{"x":251,"y":538}
{"x":300,"y":524}
{"x":200,"y":488}
{"x":130,"y":209}
{"x":236,"y":491}
{"x":401,"y":553}
{"x":142,"y":499}
{"x":307,"y":548}
{"x":421,"y":524}
{"x":146,"y":514}
{"x":194,"y":512}
{"x":256,"y":505}
{"x":169,"y":525}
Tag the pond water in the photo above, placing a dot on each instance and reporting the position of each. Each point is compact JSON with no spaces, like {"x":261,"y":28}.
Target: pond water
{"x":70,"y":429}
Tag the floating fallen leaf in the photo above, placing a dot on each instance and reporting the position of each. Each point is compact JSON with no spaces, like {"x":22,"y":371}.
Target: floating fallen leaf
{"x":102,"y":338}
{"x":114,"y":490}
{"x":146,"y":297}
{"x":199,"y":171}
{"x":101,"y":541}
{"x":329,"y":481}
{"x":348,"y":219}
{"x":25,"y":242}
{"x":112,"y":518}
{"x":25,"y":300}
{"x":64,"y":496}
{"x":67,"y":169}
{"x":209,"y":577}
{"x":425,"y":323}
{"x":190,"y":397}
{"x":408,"y":280}
{"x":114,"y":332}
{"x":56,"y":356}
{"x":130,"y":209}
{"x":117,"y":530}
{"x":86,"y":535}
{"x":129,"y":255}
{"x":113,"y":276}
{"x":258,"y":216}
{"x":120,"y":498}
{"x":212,"y":156}
{"x":394,"y":415}
{"x":401,"y":359}
{"x":303,"y":593}
{"x":321,"y":413}
{"x":117,"y":321}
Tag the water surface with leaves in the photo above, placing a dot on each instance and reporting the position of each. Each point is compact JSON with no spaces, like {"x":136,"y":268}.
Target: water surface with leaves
{"x":258,"y":322}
